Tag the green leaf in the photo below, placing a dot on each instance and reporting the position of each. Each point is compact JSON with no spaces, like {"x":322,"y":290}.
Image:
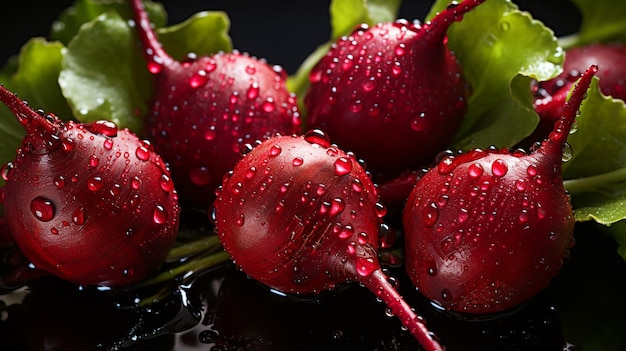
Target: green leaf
{"x":205,"y":33}
{"x":599,"y":143}
{"x":596,"y":175}
{"x":602,"y":21}
{"x":347,"y":14}
{"x":495,"y":44}
{"x":32,"y":75}
{"x":104,"y":75}
{"x":84,"y":11}
{"x":36,"y":78}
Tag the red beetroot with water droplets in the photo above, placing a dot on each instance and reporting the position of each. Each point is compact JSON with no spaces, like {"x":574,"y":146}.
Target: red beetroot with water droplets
{"x":302,"y":216}
{"x":206,"y":109}
{"x":487,"y":230}
{"x":550,"y":96}
{"x":87,"y":202}
{"x":393,"y":93}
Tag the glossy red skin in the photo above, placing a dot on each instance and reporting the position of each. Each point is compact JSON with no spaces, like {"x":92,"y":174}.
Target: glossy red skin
{"x":105,"y":191}
{"x":495,"y":241}
{"x":206,"y":109}
{"x":280,"y":221}
{"x":301,"y":216}
{"x":487,"y":230}
{"x":392,"y":93}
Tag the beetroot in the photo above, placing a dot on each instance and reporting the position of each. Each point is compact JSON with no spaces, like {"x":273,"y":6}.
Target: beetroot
{"x":302,"y":216}
{"x":488,"y":229}
{"x":550,"y":95}
{"x":87,"y":202}
{"x":392,"y":93}
{"x":205,"y":110}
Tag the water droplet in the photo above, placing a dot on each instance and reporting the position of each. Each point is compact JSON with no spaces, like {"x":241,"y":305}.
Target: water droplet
{"x":369,"y":84}
{"x":6,"y":170}
{"x":59,"y":182}
{"x":430,"y":214}
{"x":346,"y":232}
{"x":200,"y":175}
{"x":365,"y":266}
{"x":268,"y":105}
{"x":362,"y":238}
{"x":253,"y":91}
{"x":155,"y":67}
{"x":93,"y":161}
{"x":418,"y":122}
{"x":317,"y":136}
{"x":531,"y":170}
{"x":567,"y":152}
{"x":135,"y":183}
{"x":275,"y":150}
{"x":142,"y":153}
{"x":166,"y":183}
{"x":520,"y":184}
{"x":94,"y":183}
{"x":102,"y":127}
{"x":337,"y":206}
{"x":159,"y":216}
{"x":475,"y":170}
{"x":240,"y":221}
{"x":108,"y":144}
{"x":78,"y":216}
{"x":42,"y":208}
{"x":446,"y":295}
{"x":343,"y":166}
{"x":499,"y":168}
{"x":198,"y":79}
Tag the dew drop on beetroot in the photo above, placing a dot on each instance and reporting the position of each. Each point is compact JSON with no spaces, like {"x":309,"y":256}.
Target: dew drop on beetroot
{"x":275,"y":150}
{"x":499,"y":168}
{"x":298,"y":161}
{"x":94,"y":183}
{"x":159,"y":215}
{"x":475,"y":170}
{"x":253,"y":91}
{"x":166,"y":183}
{"x":430,"y":214}
{"x":42,"y":208}
{"x":318,"y":137}
{"x":78,"y":216}
{"x":343,"y":166}
{"x":135,"y":183}
{"x":346,"y":232}
{"x":103,"y":127}
{"x":142,"y":153}
{"x":198,"y":79}
{"x":365,"y":266}
{"x":6,"y":170}
{"x":59,"y":182}
{"x":108,"y":144}
{"x":268,"y":105}
{"x":200,"y":175}
{"x":337,"y":206}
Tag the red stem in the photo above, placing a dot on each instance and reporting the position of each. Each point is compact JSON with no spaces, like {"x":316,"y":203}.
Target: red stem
{"x":32,"y":121}
{"x":377,"y":283}
{"x":153,"y":50}
{"x":438,"y":26}
{"x":554,"y":144}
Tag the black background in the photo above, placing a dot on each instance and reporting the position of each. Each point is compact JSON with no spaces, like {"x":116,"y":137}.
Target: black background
{"x":282,"y":31}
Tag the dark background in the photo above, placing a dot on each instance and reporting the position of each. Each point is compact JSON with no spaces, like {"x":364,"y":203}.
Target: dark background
{"x":282,"y":31}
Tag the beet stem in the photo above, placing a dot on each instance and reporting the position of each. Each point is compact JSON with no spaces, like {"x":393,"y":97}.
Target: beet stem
{"x":438,"y":25}
{"x":153,"y":50}
{"x":553,"y":146}
{"x":33,"y":122}
{"x":377,"y":283}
